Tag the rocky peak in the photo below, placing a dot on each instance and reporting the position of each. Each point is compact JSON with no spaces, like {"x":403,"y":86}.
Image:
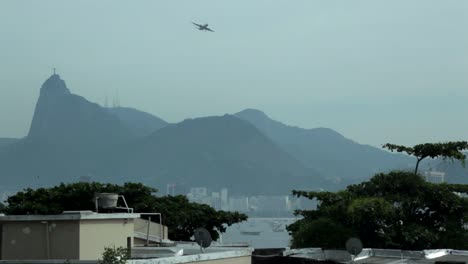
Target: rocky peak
{"x":54,"y":86}
{"x":69,"y":120}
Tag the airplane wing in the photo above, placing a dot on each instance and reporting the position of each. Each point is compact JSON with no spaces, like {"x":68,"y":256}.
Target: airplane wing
{"x":209,"y":29}
{"x":196,"y":24}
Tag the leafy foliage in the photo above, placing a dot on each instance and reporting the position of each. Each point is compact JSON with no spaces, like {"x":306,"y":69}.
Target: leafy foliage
{"x":114,"y":256}
{"x":2,"y":207}
{"x":313,"y":233}
{"x":451,"y":150}
{"x":181,"y":216}
{"x":74,"y":196}
{"x":396,"y":210}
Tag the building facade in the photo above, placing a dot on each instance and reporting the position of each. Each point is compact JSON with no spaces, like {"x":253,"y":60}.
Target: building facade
{"x":78,"y":235}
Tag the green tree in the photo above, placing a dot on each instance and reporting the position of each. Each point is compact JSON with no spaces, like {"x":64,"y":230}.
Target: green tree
{"x":74,"y":196}
{"x":2,"y":207}
{"x":451,"y":150}
{"x":396,"y":210}
{"x":114,"y":256}
{"x":181,"y":216}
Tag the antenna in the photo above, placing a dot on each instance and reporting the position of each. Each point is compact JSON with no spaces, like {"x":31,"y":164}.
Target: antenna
{"x":203,"y":238}
{"x":37,"y":181}
{"x":54,"y":70}
{"x":118,"y":99}
{"x":354,"y":247}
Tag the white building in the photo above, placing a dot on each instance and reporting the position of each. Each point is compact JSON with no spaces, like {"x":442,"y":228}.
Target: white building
{"x":239,"y":203}
{"x":224,"y":199}
{"x":434,"y":176}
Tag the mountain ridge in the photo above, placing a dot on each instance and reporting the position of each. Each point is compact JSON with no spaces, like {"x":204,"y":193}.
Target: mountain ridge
{"x":140,"y":123}
{"x":7,"y":141}
{"x":71,"y":137}
{"x":326,"y":150}
{"x":221,"y":150}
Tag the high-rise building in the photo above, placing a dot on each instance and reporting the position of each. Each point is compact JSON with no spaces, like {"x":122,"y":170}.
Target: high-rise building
{"x":239,"y":203}
{"x":216,"y":200}
{"x":224,"y":199}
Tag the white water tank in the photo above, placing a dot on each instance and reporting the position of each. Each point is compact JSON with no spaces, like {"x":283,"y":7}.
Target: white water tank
{"x":107,"y":200}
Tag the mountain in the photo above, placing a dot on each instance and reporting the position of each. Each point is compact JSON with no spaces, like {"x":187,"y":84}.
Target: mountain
{"x":66,"y":137}
{"x":140,"y":123}
{"x":69,"y":120}
{"x":215,"y":152}
{"x":325,"y":150}
{"x":7,"y":141}
{"x":249,"y":153}
{"x":71,"y":137}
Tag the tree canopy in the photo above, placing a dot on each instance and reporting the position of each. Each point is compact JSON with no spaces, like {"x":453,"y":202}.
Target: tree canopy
{"x":451,"y":150}
{"x":181,"y":216}
{"x":397,"y":210}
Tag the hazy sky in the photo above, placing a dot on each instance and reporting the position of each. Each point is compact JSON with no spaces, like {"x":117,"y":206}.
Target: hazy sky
{"x":375,"y":71}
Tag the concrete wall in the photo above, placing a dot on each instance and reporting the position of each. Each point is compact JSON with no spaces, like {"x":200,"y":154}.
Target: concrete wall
{"x":64,"y":240}
{"x":28,"y":240}
{"x":95,"y":235}
{"x":238,"y":260}
{"x":227,"y":257}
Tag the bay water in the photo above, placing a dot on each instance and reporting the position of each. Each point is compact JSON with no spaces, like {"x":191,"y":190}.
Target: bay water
{"x":259,"y":233}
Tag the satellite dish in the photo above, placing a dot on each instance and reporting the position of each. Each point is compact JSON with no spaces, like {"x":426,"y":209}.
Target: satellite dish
{"x":202,"y":237}
{"x":354,"y":246}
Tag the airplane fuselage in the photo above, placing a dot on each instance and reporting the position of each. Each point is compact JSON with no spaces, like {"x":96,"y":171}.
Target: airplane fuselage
{"x":203,"y":27}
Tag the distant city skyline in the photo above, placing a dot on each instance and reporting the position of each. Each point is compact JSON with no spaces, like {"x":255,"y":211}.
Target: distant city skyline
{"x":254,"y":204}
{"x":374,"y":71}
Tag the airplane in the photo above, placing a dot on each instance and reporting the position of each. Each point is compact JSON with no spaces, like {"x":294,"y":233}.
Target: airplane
{"x":203,"y":27}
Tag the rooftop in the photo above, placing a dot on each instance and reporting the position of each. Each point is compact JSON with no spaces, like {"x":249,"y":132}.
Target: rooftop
{"x":68,"y":215}
{"x":382,"y":256}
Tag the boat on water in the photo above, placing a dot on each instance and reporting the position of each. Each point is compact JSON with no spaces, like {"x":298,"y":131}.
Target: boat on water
{"x":250,"y":233}
{"x":278,"y":228}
